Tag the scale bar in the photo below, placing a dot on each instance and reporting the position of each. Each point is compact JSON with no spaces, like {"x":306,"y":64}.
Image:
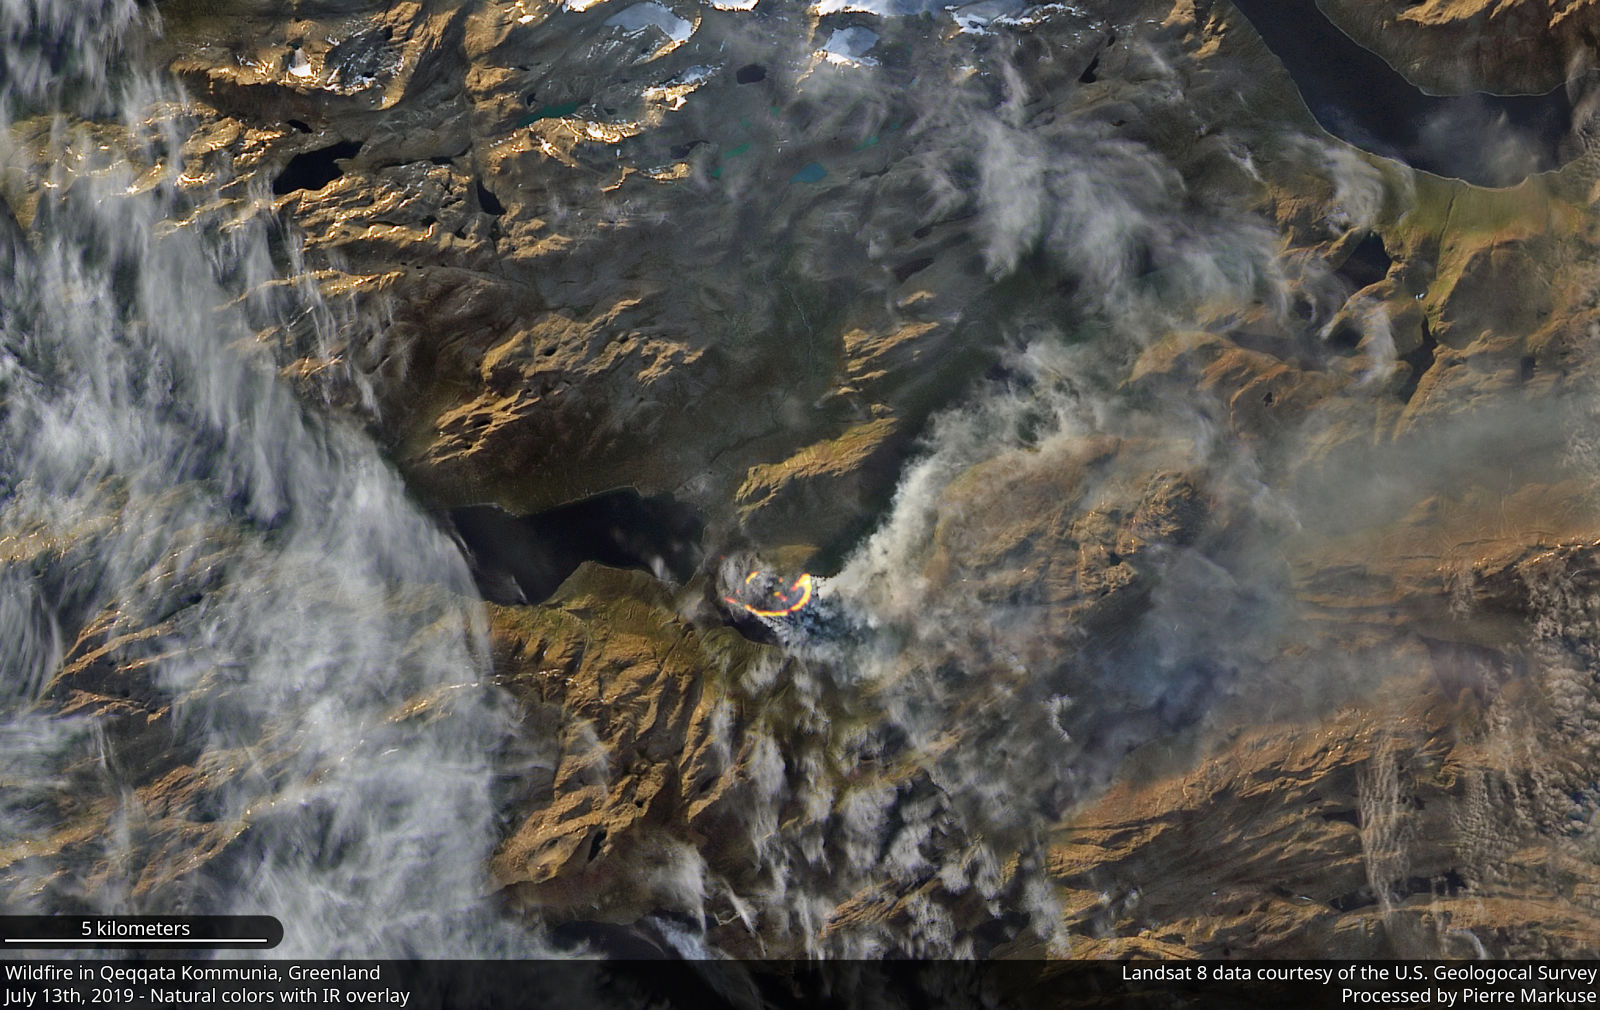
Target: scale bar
{"x":138,"y":932}
{"x":63,"y":942}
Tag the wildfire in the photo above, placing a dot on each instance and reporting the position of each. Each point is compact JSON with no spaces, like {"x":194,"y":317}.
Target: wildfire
{"x":775,"y":600}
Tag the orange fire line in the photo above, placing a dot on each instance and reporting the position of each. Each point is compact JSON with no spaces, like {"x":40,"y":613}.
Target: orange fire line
{"x":802,"y":585}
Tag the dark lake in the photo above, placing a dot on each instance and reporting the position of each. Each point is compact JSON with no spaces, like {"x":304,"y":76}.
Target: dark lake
{"x":1491,"y":140}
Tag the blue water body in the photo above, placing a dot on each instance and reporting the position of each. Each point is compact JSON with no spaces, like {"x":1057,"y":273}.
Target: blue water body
{"x":810,"y":172}
{"x":1490,"y":140}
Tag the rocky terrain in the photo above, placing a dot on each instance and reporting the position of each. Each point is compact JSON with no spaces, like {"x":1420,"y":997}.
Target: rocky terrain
{"x":1202,"y":508}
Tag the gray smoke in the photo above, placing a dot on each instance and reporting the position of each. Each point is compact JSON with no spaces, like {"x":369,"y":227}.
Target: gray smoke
{"x":184,"y":540}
